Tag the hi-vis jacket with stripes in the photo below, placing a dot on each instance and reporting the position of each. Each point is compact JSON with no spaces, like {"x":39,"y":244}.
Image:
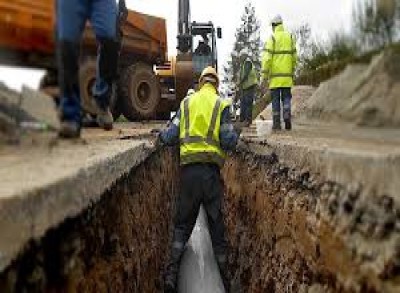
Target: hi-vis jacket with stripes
{"x":279,"y":59}
{"x":202,"y":127}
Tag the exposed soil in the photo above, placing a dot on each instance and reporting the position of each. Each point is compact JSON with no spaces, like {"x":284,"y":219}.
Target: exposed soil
{"x":117,"y":245}
{"x":291,"y":231}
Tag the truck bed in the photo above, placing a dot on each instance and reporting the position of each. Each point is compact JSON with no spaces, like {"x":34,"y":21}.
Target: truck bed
{"x":28,"y":28}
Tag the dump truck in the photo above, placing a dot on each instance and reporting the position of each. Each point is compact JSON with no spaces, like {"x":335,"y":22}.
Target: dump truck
{"x":150,"y":85}
{"x":27,"y":38}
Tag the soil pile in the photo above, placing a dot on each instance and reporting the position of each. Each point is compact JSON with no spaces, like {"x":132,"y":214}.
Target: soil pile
{"x":365,"y":95}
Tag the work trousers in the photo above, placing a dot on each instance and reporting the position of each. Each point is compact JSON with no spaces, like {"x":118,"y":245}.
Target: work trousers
{"x":71,"y":19}
{"x":246,"y":104}
{"x":201,"y":184}
{"x":281,"y":96}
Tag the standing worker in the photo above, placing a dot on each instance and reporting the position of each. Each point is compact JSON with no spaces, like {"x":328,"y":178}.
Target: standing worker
{"x":204,"y":130}
{"x":71,"y":19}
{"x":247,"y":86}
{"x":278,"y":65}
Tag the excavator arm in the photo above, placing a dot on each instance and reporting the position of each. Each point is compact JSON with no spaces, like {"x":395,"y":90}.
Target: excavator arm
{"x":184,"y":30}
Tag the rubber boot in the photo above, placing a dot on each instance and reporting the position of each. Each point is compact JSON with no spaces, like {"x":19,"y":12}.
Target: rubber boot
{"x":276,"y":122}
{"x":223,"y":269}
{"x":288,"y":124}
{"x":172,"y":271}
{"x":69,"y":129}
{"x":105,"y":119}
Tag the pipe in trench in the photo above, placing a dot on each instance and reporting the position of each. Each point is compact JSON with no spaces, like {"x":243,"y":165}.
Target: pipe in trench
{"x":199,"y":271}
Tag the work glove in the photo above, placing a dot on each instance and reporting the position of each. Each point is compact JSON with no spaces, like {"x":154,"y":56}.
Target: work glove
{"x":157,"y":143}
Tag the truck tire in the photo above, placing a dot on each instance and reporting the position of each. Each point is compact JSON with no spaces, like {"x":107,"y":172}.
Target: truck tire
{"x":87,"y":78}
{"x":139,"y":91}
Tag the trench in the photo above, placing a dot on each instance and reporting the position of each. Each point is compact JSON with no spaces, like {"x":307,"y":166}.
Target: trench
{"x":277,"y":222}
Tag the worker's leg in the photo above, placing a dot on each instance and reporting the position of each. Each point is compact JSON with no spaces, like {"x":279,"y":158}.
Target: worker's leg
{"x":187,"y":209}
{"x":246,"y":105}
{"x":71,"y":17}
{"x":213,"y":197}
{"x":287,"y":113}
{"x":104,"y":21}
{"x":276,"y":108}
{"x":243,"y":106}
{"x":250,"y":100}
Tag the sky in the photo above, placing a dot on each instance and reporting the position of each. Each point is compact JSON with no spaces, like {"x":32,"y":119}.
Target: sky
{"x":324,"y":16}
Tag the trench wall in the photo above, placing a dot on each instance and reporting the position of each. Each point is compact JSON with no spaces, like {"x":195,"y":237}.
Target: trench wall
{"x":119,"y":244}
{"x":292,"y":231}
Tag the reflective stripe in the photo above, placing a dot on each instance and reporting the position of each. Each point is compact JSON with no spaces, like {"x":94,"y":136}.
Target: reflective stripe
{"x":281,"y":75}
{"x":198,"y":139}
{"x":282,"y":52}
{"x":226,"y":127}
{"x":186,"y":109}
{"x":202,"y":157}
{"x":214,"y":119}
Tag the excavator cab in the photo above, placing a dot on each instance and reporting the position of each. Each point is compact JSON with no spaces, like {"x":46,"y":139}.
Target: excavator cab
{"x":204,"y":47}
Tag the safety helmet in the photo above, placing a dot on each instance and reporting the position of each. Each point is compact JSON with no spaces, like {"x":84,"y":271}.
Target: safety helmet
{"x":209,"y":74}
{"x":277,"y":20}
{"x":190,"y":92}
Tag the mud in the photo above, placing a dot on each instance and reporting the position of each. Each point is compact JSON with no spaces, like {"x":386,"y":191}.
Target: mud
{"x":117,"y":245}
{"x":291,"y":231}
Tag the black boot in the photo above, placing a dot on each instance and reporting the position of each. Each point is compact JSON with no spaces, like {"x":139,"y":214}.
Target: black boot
{"x":223,"y":269}
{"x":171,"y":274}
{"x":288,"y":124}
{"x":276,"y":122}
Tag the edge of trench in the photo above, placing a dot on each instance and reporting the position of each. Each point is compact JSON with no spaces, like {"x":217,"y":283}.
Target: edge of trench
{"x":30,"y":212}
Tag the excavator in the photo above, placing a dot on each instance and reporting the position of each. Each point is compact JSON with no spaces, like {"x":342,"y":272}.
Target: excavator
{"x":150,"y":85}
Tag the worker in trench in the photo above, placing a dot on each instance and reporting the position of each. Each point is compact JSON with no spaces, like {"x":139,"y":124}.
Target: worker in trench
{"x":104,"y":16}
{"x":204,"y":130}
{"x":278,"y":66}
{"x":247,"y":84}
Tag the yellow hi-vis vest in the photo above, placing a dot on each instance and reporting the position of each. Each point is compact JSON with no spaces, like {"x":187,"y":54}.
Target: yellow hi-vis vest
{"x":199,"y":127}
{"x":279,"y":59}
{"x":251,"y":79}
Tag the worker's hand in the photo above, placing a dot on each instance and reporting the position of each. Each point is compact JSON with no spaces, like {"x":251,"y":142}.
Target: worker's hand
{"x":158,"y":143}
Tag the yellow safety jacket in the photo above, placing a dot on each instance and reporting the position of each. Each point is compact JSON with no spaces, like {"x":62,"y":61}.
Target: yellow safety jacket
{"x":279,"y":59}
{"x":251,"y":79}
{"x":200,"y":126}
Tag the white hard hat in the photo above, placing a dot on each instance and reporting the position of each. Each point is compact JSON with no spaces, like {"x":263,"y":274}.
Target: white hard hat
{"x":277,"y":20}
{"x":190,"y":92}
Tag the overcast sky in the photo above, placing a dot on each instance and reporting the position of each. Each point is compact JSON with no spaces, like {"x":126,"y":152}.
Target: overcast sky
{"x":324,"y":17}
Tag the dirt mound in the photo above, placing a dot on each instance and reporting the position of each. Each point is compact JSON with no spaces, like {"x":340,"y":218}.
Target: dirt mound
{"x":366,"y":95}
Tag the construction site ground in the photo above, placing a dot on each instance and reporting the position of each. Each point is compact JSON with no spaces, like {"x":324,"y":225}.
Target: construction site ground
{"x":316,"y":208}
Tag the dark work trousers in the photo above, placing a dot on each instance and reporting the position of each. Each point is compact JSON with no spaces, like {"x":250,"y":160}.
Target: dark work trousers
{"x":281,"y":96}
{"x":201,"y":184}
{"x":71,"y":19}
{"x":246,"y":104}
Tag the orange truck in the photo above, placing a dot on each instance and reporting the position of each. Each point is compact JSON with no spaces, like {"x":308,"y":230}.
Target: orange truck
{"x":27,"y":38}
